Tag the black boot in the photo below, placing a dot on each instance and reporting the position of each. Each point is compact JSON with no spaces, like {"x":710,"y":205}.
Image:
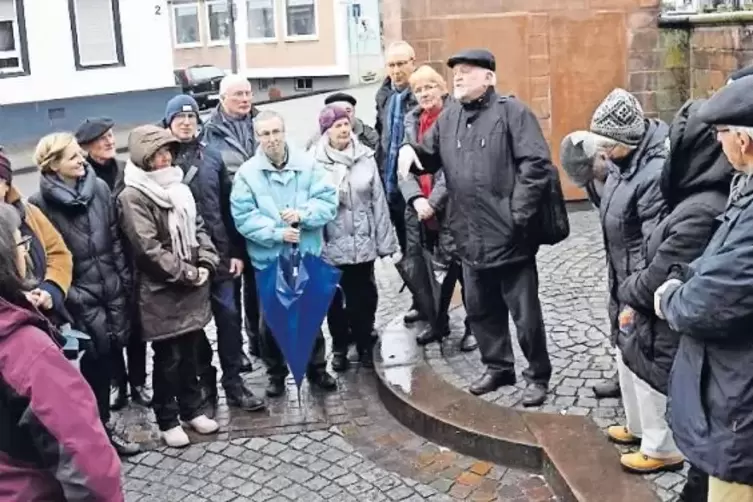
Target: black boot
{"x":366,"y":358}
{"x":322,"y":380}
{"x":141,"y":395}
{"x":242,"y":397}
{"x":276,"y":387}
{"x":122,"y":445}
{"x":610,"y":388}
{"x":491,"y":381}
{"x":119,"y":396}
{"x":430,"y":335}
{"x":468,"y":343}
{"x":340,"y":362}
{"x":535,"y":395}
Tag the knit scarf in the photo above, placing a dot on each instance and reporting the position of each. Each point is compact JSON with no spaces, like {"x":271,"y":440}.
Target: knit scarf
{"x":342,"y":160}
{"x":425,"y":121}
{"x":395,"y":117}
{"x":165,"y":188}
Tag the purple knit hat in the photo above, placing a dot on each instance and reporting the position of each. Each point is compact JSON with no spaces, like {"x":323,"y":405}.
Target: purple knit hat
{"x":329,"y":115}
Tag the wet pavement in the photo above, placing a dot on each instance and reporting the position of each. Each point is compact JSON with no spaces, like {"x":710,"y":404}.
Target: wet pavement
{"x":342,"y":446}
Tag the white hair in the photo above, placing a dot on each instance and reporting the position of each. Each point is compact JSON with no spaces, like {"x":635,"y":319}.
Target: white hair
{"x":232,"y":80}
{"x":743,"y":130}
{"x":265,"y":115}
{"x":403,"y":47}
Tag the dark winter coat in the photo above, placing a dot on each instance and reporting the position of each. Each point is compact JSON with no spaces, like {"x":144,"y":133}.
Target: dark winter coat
{"x":210,"y":186}
{"x":695,"y":183}
{"x":497,"y":172}
{"x":111,"y":172}
{"x":53,"y":447}
{"x":382,"y":124}
{"x":711,"y":384}
{"x":631,"y":206}
{"x":170,"y":303}
{"x":86,"y":217}
{"x":218,"y":134}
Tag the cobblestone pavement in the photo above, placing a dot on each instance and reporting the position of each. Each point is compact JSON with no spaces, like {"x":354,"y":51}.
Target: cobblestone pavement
{"x":339,"y":447}
{"x":573,"y":292}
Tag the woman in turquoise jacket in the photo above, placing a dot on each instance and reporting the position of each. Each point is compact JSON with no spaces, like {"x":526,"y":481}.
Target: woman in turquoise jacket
{"x":276,"y":188}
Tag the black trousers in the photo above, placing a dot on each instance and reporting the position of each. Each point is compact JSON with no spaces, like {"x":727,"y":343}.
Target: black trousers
{"x":227,"y":319}
{"x":247,"y":299}
{"x":174,"y":378}
{"x":397,"y":215}
{"x":351,"y":316}
{"x":491,"y":296}
{"x":454,"y":275}
{"x":696,"y":488}
{"x":97,"y":371}
{"x":277,"y":368}
{"x":135,"y":352}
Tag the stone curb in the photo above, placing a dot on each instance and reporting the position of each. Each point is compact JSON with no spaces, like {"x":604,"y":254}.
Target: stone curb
{"x":570,"y":451}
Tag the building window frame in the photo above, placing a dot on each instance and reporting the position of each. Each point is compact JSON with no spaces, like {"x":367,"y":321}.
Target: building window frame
{"x":117,"y":35}
{"x":303,"y":84}
{"x":174,"y":12}
{"x":275,"y":21}
{"x":211,"y":42}
{"x":302,"y":38}
{"x":21,"y":44}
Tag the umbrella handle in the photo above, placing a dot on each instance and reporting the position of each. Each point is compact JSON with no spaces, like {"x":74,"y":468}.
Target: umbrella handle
{"x":294,"y":247}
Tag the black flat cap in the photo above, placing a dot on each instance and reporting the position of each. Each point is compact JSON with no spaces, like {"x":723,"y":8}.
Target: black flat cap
{"x":476,"y":57}
{"x":92,"y":129}
{"x":339,"y":97}
{"x":732,"y":105}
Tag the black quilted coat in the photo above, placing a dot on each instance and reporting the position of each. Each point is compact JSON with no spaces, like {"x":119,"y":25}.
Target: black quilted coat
{"x":86,"y":218}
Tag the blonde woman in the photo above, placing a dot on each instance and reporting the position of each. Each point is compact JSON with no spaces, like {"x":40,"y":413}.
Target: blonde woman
{"x":82,"y":210}
{"x":426,"y":204}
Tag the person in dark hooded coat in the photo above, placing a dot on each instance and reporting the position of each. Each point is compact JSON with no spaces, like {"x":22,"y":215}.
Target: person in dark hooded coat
{"x":81,"y":208}
{"x":695,"y":185}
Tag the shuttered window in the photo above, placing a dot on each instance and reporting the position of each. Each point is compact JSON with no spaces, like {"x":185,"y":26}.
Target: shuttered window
{"x":95,"y":25}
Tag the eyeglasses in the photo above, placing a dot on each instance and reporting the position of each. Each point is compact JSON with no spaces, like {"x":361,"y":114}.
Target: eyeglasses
{"x":24,"y":243}
{"x":721,"y":129}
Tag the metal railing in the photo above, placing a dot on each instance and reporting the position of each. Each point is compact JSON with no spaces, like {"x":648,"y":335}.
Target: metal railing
{"x":705,"y":6}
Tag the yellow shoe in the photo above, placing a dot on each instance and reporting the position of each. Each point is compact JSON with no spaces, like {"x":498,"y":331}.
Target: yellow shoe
{"x":619,"y":434}
{"x":638,"y":463}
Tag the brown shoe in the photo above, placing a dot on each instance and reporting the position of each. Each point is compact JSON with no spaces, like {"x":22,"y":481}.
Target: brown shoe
{"x":619,"y":434}
{"x":638,"y":463}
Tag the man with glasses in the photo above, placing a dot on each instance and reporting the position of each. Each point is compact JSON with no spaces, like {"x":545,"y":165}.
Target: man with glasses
{"x":205,"y":173}
{"x":393,"y":101}
{"x":230,"y":130}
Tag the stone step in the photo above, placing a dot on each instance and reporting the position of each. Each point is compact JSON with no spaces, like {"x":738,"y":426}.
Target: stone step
{"x":570,"y":451}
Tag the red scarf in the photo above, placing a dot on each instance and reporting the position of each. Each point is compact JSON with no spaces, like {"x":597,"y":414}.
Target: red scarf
{"x":425,"y":121}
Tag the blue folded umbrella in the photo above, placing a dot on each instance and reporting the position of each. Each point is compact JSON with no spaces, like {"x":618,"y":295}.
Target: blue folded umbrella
{"x":295,"y":293}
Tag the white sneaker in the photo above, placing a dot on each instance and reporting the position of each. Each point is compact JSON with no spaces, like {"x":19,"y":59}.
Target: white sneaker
{"x":204,"y":425}
{"x":176,"y":437}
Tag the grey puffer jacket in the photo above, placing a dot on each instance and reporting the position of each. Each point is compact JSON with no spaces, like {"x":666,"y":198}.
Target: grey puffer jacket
{"x":362,"y":230}
{"x":631,"y":207}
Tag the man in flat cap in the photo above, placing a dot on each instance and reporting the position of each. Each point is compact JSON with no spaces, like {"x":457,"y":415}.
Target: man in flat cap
{"x":365,"y":134}
{"x":497,"y":168}
{"x":95,"y":135}
{"x":710,"y":303}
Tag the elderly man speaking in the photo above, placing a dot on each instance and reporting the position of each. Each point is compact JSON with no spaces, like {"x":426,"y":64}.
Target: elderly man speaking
{"x":497,"y":167}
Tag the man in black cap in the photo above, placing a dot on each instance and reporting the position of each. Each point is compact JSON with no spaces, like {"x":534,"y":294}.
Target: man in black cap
{"x":365,"y":134}
{"x":497,"y":168}
{"x":710,"y":303}
{"x":95,"y":136}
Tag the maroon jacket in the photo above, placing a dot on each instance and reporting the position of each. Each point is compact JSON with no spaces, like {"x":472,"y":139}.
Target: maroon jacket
{"x":52,"y":444}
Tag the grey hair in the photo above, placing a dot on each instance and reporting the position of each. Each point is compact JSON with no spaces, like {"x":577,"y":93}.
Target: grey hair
{"x":743,"y":130}
{"x":401,"y":45}
{"x":232,"y":80}
{"x":268,"y":115}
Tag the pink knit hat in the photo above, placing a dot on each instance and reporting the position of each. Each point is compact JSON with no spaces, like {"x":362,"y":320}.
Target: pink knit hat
{"x":329,"y":115}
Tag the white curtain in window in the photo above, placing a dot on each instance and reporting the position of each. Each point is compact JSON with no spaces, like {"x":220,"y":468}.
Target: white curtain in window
{"x":219,"y":21}
{"x":95,"y":28}
{"x":261,"y":19}
{"x":301,"y":17}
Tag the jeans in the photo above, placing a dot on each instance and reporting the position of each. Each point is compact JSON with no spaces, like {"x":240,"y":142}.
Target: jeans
{"x":229,"y":337}
{"x":96,"y":370}
{"x":174,"y":378}
{"x":491,"y":295}
{"x":352,"y":320}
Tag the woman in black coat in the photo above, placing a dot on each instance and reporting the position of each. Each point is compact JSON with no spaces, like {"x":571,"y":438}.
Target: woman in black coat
{"x":81,"y":207}
{"x":695,"y":184}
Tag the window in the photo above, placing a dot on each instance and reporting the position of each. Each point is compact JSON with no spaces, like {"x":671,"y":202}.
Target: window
{"x":13,"y":52}
{"x":186,"y":25}
{"x":218,"y":20}
{"x":266,"y":83}
{"x":304,"y":84}
{"x":262,"y":21}
{"x":300,"y":18}
{"x":95,"y":26}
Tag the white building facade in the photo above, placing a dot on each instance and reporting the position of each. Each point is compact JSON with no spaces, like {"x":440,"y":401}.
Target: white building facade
{"x":64,"y":60}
